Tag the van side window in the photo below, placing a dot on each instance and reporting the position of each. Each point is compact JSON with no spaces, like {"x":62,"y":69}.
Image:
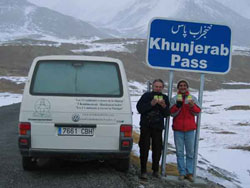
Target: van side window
{"x":83,"y":78}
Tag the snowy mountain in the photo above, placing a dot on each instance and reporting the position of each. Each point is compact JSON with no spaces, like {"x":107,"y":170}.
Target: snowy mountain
{"x":240,"y":6}
{"x":63,"y":19}
{"x":21,"y":19}
{"x":133,"y":20}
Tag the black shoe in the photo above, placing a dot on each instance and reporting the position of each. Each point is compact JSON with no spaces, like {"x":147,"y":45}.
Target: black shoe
{"x":144,"y":176}
{"x":156,"y":174}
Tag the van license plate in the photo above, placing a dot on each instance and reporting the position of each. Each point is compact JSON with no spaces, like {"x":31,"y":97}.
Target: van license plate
{"x":73,"y":131}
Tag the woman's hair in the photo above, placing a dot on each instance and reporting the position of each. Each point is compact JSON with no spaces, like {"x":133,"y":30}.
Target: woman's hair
{"x":182,"y":81}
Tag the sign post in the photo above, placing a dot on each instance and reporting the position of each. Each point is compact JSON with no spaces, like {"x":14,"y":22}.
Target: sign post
{"x":188,"y":46}
{"x":165,"y":146}
{"x":197,"y":135}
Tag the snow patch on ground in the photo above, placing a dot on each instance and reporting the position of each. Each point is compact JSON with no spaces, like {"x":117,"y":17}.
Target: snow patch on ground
{"x":16,"y":79}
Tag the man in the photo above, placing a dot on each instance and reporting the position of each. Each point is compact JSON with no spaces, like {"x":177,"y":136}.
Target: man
{"x":184,"y":107}
{"x":153,"y":107}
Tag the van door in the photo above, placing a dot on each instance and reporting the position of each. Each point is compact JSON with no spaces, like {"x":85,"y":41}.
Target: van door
{"x":76,"y":104}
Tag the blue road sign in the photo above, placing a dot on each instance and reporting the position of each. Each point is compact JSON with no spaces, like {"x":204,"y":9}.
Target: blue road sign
{"x":189,"y":46}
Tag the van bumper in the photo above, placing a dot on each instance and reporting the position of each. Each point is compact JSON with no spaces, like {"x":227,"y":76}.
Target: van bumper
{"x":79,"y":154}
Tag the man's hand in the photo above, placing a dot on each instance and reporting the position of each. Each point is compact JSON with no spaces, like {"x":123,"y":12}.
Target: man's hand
{"x":154,"y":102}
{"x":162,"y":103}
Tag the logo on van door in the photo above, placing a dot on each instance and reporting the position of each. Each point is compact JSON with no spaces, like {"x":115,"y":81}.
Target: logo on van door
{"x":75,"y":117}
{"x":42,"y":108}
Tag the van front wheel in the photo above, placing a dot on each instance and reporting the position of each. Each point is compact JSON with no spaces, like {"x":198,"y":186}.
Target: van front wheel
{"x":29,"y":163}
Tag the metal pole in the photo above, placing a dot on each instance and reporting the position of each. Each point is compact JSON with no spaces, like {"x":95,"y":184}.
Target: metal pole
{"x":165,"y":146}
{"x":197,"y":136}
{"x":148,"y":86}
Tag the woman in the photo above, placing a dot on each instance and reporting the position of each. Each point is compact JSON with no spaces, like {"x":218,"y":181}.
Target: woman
{"x":183,"y":108}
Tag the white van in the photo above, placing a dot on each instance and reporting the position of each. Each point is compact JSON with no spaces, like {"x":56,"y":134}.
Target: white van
{"x":75,"y":106}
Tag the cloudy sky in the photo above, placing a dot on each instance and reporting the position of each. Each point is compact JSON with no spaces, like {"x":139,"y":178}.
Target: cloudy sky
{"x":102,"y":10}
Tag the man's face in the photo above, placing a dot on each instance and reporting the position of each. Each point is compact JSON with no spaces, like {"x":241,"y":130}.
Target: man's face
{"x":183,"y":88}
{"x":157,"y":87}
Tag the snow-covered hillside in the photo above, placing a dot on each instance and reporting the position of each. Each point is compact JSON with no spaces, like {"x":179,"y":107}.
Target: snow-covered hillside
{"x":133,"y":21}
{"x":21,"y":19}
{"x":130,"y":18}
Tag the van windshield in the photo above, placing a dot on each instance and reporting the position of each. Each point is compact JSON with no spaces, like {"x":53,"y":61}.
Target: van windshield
{"x":71,"y":77}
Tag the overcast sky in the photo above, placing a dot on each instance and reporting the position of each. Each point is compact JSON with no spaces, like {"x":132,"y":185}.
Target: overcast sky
{"x":102,"y":10}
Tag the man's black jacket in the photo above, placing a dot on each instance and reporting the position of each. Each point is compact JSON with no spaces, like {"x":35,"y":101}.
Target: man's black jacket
{"x":152,"y":116}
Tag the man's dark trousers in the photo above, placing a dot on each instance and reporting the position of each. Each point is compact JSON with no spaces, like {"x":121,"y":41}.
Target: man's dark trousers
{"x":144,"y":143}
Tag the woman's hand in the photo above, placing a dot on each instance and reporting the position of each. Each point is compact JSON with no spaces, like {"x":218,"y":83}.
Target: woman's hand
{"x":191,"y":103}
